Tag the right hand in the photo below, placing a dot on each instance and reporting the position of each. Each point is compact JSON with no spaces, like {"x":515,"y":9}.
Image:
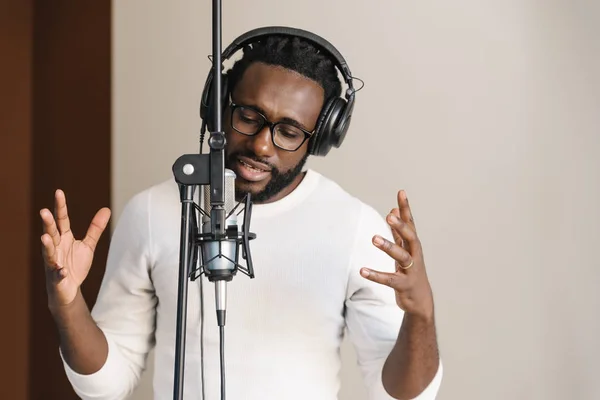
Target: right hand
{"x":67,"y":260}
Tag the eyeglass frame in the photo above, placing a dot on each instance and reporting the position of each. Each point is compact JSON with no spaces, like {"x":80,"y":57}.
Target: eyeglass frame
{"x":307,"y":134}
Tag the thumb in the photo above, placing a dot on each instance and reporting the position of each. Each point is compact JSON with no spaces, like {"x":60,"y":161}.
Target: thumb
{"x":97,"y":226}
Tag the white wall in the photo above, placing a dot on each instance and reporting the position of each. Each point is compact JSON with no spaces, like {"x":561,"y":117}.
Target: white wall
{"x":486,"y":112}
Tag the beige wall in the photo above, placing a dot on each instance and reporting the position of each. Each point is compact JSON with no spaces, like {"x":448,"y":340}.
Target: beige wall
{"x":486,"y":112}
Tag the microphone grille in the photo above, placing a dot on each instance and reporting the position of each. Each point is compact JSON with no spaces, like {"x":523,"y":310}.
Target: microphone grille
{"x":229,"y":190}
{"x":229,"y":193}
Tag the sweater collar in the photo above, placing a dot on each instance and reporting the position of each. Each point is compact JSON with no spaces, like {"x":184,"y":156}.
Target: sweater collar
{"x":300,"y":193}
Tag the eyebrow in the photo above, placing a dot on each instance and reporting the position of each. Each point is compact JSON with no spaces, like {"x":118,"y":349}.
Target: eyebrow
{"x":287,"y":120}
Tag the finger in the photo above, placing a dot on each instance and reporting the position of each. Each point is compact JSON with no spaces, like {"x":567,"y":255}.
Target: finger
{"x":399,"y":254}
{"x":96,"y":228}
{"x":62,"y":216}
{"x":397,"y":238}
{"x":395,"y":281}
{"x":49,"y":251}
{"x":50,"y":226}
{"x":405,"y":211}
{"x":406,"y":231}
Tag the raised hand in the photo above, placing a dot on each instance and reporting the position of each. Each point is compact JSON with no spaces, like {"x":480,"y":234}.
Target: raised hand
{"x":414,"y":361}
{"x":67,"y":260}
{"x":410,"y":282}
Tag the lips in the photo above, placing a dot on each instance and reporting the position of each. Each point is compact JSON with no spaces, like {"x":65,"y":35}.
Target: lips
{"x":251,"y":170}
{"x":254,"y":164}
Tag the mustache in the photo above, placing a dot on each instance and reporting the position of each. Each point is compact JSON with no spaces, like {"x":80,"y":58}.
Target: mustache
{"x":234,"y":156}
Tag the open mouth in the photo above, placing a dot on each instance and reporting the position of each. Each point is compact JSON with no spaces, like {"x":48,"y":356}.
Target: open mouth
{"x":252,"y":167}
{"x":251,"y":170}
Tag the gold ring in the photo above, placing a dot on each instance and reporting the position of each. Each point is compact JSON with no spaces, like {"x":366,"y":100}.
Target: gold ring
{"x":409,"y":265}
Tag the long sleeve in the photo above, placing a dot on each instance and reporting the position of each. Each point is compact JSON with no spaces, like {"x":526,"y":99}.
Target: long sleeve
{"x":373,"y":318}
{"x":125,"y":307}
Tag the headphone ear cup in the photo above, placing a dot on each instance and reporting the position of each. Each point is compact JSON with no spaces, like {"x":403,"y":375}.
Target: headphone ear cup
{"x":315,"y":141}
{"x":224,"y":93}
{"x":207,"y":106}
{"x":343,"y":123}
{"x":325,"y":134}
{"x":206,"y":97}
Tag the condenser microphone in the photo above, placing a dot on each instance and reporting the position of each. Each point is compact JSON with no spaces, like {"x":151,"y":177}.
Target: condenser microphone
{"x":220,"y":256}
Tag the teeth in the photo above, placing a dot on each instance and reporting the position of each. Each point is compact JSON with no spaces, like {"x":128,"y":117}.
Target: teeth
{"x":250,"y":167}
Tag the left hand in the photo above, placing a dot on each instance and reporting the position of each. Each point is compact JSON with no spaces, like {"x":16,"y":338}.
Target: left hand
{"x":410,"y":282}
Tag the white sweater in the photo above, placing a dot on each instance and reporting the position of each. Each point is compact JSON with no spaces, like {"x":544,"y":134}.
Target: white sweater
{"x":284,"y":327}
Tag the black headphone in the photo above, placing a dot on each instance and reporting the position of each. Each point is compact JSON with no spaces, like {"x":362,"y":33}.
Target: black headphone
{"x":334,"y":119}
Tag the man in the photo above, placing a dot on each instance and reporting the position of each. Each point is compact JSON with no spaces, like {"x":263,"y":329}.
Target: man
{"x":313,"y":256}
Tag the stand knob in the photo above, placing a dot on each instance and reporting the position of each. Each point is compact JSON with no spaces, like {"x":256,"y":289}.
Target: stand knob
{"x":217,"y":141}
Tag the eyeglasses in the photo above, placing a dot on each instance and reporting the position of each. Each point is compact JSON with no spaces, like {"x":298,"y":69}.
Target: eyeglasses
{"x":249,"y":122}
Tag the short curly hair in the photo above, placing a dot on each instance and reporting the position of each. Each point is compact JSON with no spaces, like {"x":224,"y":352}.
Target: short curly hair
{"x":293,"y":53}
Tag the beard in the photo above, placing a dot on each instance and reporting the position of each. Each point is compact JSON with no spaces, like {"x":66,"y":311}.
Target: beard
{"x":278,"y":182}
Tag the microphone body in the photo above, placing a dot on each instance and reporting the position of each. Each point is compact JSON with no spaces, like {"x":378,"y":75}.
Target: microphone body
{"x":220,"y":256}
{"x":220,"y":252}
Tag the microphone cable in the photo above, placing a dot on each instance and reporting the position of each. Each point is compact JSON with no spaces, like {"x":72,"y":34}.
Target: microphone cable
{"x":196,"y":228}
{"x":202,"y":133}
{"x":222,"y":351}
{"x":202,"y":338}
{"x":221,"y":346}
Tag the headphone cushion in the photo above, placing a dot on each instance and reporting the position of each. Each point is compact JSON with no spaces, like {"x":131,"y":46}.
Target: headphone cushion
{"x":207,"y":107}
{"x":325,"y":133}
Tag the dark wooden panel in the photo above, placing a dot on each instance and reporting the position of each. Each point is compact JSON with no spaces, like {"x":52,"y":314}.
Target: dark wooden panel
{"x":71,"y":151}
{"x":15,"y":184}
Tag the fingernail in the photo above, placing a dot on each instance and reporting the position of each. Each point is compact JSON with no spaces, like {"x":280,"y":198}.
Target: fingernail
{"x":395,"y":219}
{"x":378,"y":240}
{"x":404,"y":195}
{"x":364,"y":272}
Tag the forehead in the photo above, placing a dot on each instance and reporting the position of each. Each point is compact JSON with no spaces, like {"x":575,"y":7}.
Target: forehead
{"x":280,"y":93}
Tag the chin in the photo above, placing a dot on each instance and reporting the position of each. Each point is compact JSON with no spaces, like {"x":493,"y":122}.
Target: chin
{"x":242,"y":187}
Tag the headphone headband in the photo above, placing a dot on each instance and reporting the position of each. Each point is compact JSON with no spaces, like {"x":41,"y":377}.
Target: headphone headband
{"x":259,"y":33}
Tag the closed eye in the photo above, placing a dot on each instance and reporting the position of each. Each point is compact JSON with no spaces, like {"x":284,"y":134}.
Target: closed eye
{"x":248,"y":119}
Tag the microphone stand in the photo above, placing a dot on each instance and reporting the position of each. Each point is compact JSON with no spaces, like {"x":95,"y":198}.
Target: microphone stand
{"x":190,"y":171}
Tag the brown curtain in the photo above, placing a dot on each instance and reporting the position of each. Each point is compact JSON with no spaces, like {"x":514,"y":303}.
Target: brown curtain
{"x":55,"y":133}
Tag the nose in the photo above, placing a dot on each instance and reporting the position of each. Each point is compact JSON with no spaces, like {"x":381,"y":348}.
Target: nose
{"x":261,"y":143}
